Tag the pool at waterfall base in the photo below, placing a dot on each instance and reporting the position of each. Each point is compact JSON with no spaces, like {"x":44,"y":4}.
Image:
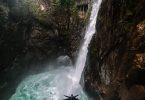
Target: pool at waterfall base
{"x":52,"y":85}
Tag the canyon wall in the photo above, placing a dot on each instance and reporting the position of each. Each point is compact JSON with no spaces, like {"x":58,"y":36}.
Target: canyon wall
{"x":117,"y":52}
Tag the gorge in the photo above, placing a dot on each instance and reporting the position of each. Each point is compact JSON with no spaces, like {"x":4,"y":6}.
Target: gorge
{"x":41,"y":51}
{"x":45,"y":86}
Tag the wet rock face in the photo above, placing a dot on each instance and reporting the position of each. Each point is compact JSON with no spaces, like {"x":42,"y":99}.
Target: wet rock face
{"x":117,"y":51}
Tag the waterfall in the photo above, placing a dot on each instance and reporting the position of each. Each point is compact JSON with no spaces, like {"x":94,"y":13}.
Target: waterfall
{"x":53,"y":85}
{"x":81,"y":60}
{"x":90,"y":31}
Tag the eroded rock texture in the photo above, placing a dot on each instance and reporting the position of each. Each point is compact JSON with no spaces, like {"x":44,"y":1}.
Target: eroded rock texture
{"x":117,"y":52}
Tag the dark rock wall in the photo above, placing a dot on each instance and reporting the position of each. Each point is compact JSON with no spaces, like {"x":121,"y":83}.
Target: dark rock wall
{"x":31,"y":37}
{"x":117,"y":51}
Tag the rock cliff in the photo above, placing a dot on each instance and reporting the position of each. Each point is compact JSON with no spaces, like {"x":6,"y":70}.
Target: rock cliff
{"x":117,"y":51}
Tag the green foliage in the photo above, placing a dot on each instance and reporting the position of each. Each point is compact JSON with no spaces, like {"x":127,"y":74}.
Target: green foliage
{"x":64,"y":3}
{"x":66,"y":13}
{"x":55,"y":2}
{"x":65,"y":7}
{"x":29,"y":8}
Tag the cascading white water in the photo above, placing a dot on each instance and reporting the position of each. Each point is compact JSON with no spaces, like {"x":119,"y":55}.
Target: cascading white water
{"x":53,"y":85}
{"x":81,"y":60}
{"x":91,"y":29}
